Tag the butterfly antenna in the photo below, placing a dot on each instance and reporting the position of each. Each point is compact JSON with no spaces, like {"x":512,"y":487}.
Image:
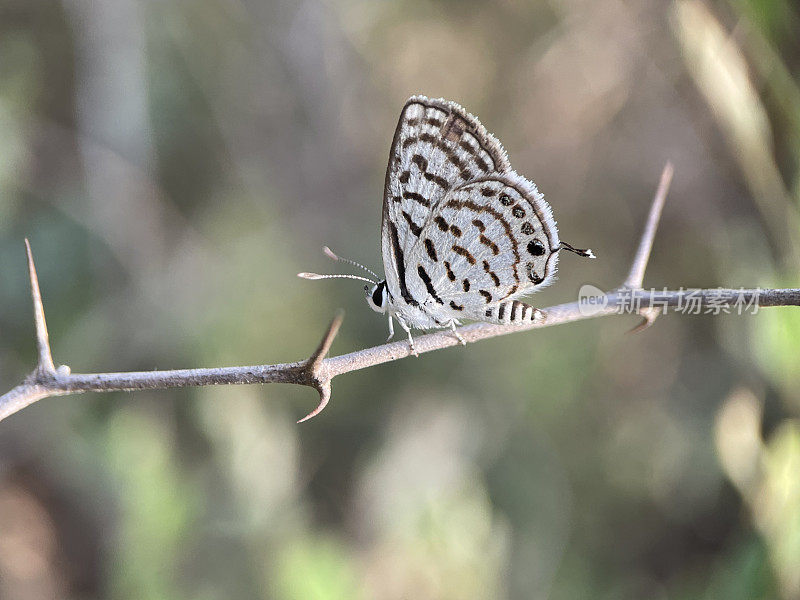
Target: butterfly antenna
{"x":330,"y":254}
{"x":318,"y":276}
{"x":587,"y":252}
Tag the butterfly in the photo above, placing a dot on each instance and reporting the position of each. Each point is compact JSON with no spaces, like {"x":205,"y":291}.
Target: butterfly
{"x":463,"y":235}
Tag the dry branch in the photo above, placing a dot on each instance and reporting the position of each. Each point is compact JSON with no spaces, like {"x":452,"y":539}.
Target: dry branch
{"x":318,"y":371}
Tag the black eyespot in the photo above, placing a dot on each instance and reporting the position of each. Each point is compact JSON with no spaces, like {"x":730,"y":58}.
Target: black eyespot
{"x":534,"y":276}
{"x":518,"y":212}
{"x":536,"y":247}
{"x":505,"y":200}
{"x":527,"y":228}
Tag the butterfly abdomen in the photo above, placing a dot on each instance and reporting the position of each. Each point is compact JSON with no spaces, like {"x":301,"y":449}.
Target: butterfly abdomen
{"x":512,"y":312}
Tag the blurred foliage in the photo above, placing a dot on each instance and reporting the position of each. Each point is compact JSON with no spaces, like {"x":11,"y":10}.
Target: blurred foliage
{"x":176,"y":164}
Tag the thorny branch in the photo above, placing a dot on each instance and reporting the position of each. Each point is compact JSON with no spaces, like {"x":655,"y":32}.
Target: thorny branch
{"x":318,"y":371}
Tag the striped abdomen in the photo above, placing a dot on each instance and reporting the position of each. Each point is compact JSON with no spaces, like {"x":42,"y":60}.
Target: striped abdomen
{"x":513,"y":312}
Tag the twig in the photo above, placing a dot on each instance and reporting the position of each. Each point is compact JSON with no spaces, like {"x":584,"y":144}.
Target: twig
{"x":321,"y":379}
{"x":318,"y":371}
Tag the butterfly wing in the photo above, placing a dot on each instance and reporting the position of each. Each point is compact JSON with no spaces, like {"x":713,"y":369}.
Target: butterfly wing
{"x":462,"y":232}
{"x":437,"y":147}
{"x":490,"y":241}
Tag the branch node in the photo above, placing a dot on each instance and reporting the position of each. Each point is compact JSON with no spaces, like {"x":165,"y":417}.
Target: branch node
{"x":314,"y":368}
{"x":45,"y":363}
{"x":636,"y":274}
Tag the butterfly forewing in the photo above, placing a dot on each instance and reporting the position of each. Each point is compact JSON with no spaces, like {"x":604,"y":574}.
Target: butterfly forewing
{"x":437,"y":146}
{"x":462,"y":231}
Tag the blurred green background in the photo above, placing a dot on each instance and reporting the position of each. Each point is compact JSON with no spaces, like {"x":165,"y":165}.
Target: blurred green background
{"x":175,"y":164}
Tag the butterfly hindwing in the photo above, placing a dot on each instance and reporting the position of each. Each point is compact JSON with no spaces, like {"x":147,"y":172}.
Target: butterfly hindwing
{"x":490,"y":241}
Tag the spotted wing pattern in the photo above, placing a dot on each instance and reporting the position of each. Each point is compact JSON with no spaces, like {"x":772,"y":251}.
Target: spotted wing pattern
{"x":463,"y":234}
{"x":506,"y":248}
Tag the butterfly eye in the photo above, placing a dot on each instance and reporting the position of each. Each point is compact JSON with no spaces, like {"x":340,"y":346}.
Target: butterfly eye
{"x":377,"y":295}
{"x":505,"y":200}
{"x":536,"y":248}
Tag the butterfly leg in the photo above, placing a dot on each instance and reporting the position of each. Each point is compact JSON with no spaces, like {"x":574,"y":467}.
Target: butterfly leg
{"x":455,"y":333}
{"x":391,"y":329}
{"x":410,"y":339}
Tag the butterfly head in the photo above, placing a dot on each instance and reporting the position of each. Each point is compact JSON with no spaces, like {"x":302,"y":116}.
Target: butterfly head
{"x":377,"y":296}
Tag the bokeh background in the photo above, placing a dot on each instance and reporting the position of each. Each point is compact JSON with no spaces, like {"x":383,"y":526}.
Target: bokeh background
{"x":175,"y":164}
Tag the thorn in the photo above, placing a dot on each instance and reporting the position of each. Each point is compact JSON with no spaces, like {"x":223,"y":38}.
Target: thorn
{"x":649,"y":316}
{"x":42,"y":339}
{"x":636,"y":274}
{"x":324,"y":397}
{"x":315,"y":362}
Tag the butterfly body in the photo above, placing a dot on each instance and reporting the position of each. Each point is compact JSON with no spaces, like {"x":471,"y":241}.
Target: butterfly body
{"x":463,"y":235}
